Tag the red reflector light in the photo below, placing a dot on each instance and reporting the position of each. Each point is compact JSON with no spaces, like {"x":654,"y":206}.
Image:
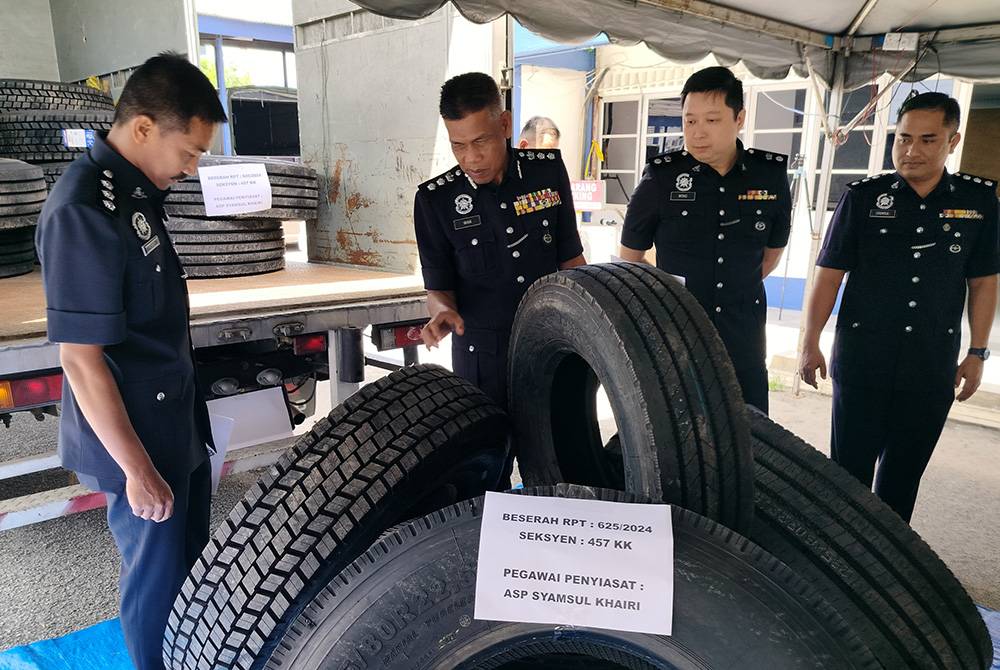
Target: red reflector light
{"x":407,"y":336}
{"x":38,"y":391}
{"x":309,"y":344}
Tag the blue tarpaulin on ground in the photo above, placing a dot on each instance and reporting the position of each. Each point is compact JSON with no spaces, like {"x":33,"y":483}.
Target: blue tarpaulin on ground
{"x":101,"y":647}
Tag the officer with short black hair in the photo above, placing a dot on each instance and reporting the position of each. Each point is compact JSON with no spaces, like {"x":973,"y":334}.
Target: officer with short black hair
{"x":486,"y":229}
{"x":133,"y":423}
{"x":719,"y":216}
{"x":910,"y":243}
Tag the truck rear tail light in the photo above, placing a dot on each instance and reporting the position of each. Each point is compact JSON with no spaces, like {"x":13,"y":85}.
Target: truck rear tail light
{"x":314,"y":343}
{"x":397,"y":335}
{"x":35,"y":392}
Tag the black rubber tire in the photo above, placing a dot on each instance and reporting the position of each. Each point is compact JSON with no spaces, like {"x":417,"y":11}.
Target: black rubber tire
{"x":181,"y":198}
{"x":36,"y":136}
{"x":17,"y":94}
{"x":409,"y":443}
{"x":205,"y":260}
{"x":209,"y":239}
{"x":408,"y":603}
{"x":53,"y":171}
{"x":23,"y":197}
{"x":280,"y":214}
{"x":184,"y":249}
{"x":274,"y":167}
{"x":22,"y":187}
{"x":185,"y":225}
{"x":18,"y":221}
{"x":892,"y":588}
{"x":683,"y":425}
{"x":233,"y":269}
{"x":22,"y":209}
{"x":17,"y":235}
{"x":16,"y":269}
{"x":192,"y":187}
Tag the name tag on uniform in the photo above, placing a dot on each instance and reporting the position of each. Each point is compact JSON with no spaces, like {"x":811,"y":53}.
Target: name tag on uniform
{"x":150,"y":246}
{"x":682,"y":196}
{"x":882,"y":214}
{"x":467,"y":222}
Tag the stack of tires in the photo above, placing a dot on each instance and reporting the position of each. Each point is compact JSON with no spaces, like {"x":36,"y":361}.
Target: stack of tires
{"x":781,"y":559}
{"x":244,"y":244}
{"x":50,"y":123}
{"x":22,"y":194}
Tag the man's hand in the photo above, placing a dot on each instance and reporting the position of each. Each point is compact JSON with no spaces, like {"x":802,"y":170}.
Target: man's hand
{"x":444,"y":322}
{"x":811,"y":360}
{"x":971,"y":370}
{"x":150,"y":497}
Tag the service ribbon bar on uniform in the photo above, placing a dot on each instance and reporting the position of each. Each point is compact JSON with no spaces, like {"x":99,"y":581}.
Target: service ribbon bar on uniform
{"x":757,"y":195}
{"x":536,"y":200}
{"x":960,"y":214}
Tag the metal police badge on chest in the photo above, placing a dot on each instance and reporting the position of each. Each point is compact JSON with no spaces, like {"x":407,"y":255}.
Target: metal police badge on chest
{"x":884,"y":211}
{"x":463,"y":204}
{"x":683,"y":184}
{"x":144,"y":233}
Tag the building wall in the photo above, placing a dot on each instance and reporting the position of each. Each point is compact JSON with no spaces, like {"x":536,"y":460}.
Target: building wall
{"x":369,"y":123}
{"x":27,"y":43}
{"x":558,"y":94}
{"x":96,"y":37}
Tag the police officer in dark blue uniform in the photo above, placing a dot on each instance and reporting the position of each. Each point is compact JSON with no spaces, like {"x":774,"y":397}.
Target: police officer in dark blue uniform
{"x":719,"y":216}
{"x":134,"y":424}
{"x":910,"y":243}
{"x":486,"y":229}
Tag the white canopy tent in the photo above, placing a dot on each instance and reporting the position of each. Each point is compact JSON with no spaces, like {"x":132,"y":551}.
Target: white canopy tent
{"x":840,"y":45}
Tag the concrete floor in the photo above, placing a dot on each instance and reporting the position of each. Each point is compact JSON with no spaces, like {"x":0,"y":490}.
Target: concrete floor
{"x":61,"y":575}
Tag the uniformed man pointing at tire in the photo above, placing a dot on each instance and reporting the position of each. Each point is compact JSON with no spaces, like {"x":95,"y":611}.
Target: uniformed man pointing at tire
{"x":134,"y":424}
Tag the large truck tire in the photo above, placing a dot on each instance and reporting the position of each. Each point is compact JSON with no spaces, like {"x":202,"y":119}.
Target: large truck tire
{"x":36,"y":136}
{"x":277,"y":213}
{"x":889,"y":585}
{"x":407,"y":444}
{"x":186,"y":225}
{"x":408,"y":604}
{"x":229,"y":258}
{"x":17,"y":94}
{"x":265,"y":237}
{"x":187,"y":198}
{"x":221,"y":271}
{"x":682,"y":423}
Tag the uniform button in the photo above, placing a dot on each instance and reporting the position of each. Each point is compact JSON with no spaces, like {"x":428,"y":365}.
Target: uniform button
{"x":520,"y":279}
{"x":855,"y":324}
{"x":472,"y":348}
{"x":909,"y":329}
{"x":158,"y":267}
{"x":722,"y":236}
{"x":759,"y":212}
{"x":503,"y":205}
{"x":161,"y":396}
{"x":920,"y":229}
{"x":718,"y":309}
{"x":721,"y":260}
{"x":510,"y":230}
{"x":883,"y":230}
{"x":516,"y":254}
{"x":916,"y":254}
{"x":684,"y":212}
{"x":722,"y":212}
{"x":958,"y":234}
{"x":923,"y":206}
{"x":756,"y":302}
{"x":719,"y":285}
{"x":912,"y":303}
{"x":722,"y":189}
{"x":915,"y":280}
{"x":545,"y":222}
{"x":951,"y":331}
{"x":474,"y":241}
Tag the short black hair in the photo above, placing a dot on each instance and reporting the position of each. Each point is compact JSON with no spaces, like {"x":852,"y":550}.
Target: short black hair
{"x":170,"y":90}
{"x":934,"y":101}
{"x":467,"y":94}
{"x":716,"y":79}
{"x":539,"y":125}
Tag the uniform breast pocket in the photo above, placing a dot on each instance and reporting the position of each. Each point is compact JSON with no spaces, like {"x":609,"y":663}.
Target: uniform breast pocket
{"x":757,"y":220}
{"x":154,"y":408}
{"x":685,"y":221}
{"x":143,"y":290}
{"x":881,"y":241}
{"x":956,"y":238}
{"x":476,"y":255}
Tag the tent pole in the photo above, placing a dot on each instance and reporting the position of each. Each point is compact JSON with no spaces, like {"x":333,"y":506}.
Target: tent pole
{"x":830,"y":138}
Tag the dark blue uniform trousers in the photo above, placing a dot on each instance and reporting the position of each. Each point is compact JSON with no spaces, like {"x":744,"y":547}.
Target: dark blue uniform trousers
{"x":899,"y":429}
{"x":156,"y":558}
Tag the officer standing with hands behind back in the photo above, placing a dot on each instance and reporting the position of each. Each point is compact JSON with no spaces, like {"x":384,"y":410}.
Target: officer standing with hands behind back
{"x":134,"y":424}
{"x":720,"y":216}
{"x":486,"y":229}
{"x":910,"y":243}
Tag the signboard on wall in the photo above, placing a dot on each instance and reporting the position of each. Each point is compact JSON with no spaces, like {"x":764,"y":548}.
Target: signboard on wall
{"x":588,"y":195}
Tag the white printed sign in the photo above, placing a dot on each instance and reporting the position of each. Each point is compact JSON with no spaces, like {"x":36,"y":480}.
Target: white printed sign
{"x":588,"y":195}
{"x":576,"y":562}
{"x":238,"y":188}
{"x":78,"y":138}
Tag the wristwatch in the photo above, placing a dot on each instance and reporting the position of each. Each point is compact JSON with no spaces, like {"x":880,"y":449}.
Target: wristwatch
{"x":981,"y":353}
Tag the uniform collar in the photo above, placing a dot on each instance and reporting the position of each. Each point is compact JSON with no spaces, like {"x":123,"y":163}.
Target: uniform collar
{"x":944,"y":187}
{"x":130,"y":179}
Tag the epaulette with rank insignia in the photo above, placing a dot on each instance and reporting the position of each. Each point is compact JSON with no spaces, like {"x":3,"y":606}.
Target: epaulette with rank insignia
{"x":667,"y":157}
{"x":442,"y":179}
{"x":106,"y":191}
{"x":973,"y":179}
{"x":768,"y":156}
{"x":538,"y":154}
{"x":869,"y":180}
